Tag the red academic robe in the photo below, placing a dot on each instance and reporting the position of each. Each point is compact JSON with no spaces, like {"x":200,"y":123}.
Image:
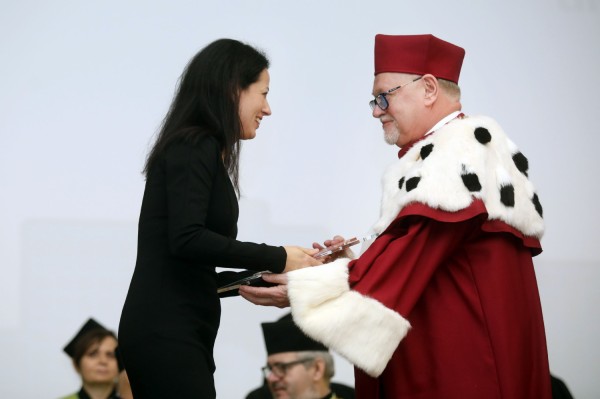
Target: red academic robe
{"x":444,"y":303}
{"x":468,"y":288}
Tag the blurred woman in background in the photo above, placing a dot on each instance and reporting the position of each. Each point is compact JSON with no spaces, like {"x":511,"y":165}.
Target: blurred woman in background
{"x":93,"y":353}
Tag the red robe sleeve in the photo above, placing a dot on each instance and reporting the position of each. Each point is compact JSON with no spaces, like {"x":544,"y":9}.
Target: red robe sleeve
{"x":399,"y":264}
{"x":362,"y":309}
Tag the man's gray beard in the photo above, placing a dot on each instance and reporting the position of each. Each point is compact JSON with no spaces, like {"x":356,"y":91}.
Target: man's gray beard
{"x":392,"y":138}
{"x":310,"y":393}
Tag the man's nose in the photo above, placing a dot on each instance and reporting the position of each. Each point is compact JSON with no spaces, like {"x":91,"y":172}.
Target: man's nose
{"x":272,"y":377}
{"x":377,"y":112}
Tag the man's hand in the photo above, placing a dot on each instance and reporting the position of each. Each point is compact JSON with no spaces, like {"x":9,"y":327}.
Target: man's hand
{"x":336,"y":240}
{"x":268,"y":296}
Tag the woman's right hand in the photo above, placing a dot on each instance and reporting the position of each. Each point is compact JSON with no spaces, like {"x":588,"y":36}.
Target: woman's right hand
{"x":298,"y":258}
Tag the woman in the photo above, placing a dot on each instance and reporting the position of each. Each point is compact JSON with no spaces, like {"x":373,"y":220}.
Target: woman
{"x":188,"y":224}
{"x":93,"y":354}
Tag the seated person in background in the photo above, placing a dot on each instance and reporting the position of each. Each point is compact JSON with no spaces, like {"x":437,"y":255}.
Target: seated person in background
{"x":93,"y":353}
{"x":559,"y":388}
{"x":297,"y":366}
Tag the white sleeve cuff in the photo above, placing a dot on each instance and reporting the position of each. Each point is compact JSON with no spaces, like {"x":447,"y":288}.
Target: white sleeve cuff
{"x":359,"y":328}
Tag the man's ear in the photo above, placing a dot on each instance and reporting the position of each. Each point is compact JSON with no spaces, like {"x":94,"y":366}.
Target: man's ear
{"x":319,"y":369}
{"x":432,"y":89}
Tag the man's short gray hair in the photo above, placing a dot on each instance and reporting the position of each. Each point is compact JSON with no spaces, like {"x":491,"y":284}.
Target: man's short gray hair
{"x":327,"y":358}
{"x":450,"y":88}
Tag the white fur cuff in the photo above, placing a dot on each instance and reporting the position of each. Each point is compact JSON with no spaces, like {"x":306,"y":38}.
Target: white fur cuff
{"x":359,"y":328}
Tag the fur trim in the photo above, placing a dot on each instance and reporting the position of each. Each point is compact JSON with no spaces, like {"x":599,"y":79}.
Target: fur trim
{"x":359,"y":328}
{"x":466,"y":159}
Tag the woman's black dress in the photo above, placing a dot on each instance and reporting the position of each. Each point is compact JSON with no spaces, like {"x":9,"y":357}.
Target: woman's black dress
{"x":187,"y":227}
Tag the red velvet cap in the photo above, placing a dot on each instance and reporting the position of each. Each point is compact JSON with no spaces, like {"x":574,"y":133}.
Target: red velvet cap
{"x":418,"y":54}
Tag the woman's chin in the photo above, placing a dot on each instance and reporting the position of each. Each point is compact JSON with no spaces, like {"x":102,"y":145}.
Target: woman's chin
{"x":249,"y":135}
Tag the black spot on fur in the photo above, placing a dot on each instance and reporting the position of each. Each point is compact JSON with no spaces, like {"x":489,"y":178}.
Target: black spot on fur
{"x":507,"y":195}
{"x":483,"y":135}
{"x":412,"y":183}
{"x":426,"y":150}
{"x":471,"y":181}
{"x":400,"y":183}
{"x":521,"y":162}
{"x":537,"y":204}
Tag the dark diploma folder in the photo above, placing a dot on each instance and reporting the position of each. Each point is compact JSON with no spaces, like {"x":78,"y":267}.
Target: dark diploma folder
{"x":230,"y":288}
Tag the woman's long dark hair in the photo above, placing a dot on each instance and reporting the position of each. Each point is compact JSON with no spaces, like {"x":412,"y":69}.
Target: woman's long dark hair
{"x":207,"y":101}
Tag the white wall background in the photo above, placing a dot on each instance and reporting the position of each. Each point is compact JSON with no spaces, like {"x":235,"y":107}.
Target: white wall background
{"x":84,"y":85}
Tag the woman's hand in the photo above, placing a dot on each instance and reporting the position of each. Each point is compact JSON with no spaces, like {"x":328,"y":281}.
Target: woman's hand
{"x":268,"y":296}
{"x":298,"y":258}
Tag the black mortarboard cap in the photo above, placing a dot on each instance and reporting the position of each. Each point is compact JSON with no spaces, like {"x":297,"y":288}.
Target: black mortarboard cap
{"x":89,"y":325}
{"x":285,"y":336}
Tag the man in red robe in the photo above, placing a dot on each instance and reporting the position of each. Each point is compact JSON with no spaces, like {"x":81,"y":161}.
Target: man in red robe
{"x":444,"y":302}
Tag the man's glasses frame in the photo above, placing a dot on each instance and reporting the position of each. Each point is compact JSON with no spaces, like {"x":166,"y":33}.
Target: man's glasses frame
{"x":381,"y":101}
{"x":280,"y":369}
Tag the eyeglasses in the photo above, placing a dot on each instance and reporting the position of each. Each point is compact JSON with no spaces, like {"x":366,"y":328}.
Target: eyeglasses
{"x":279,"y":369}
{"x":381,"y":100}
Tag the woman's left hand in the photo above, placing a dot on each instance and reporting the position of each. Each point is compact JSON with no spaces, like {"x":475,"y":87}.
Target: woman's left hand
{"x":268,"y":296}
